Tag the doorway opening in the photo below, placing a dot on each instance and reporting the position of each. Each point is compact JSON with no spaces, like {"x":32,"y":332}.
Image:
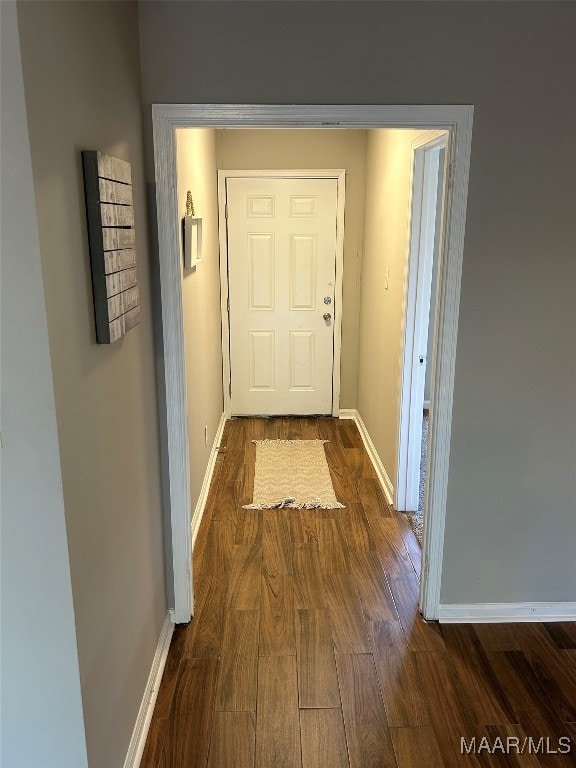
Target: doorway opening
{"x":167,"y":119}
{"x":426,"y":225}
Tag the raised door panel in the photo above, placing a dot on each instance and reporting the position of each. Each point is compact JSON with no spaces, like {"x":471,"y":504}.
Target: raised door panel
{"x":261,"y":364}
{"x":260,"y":207}
{"x":303,"y":207}
{"x":260,"y":250}
{"x":302,"y":360}
{"x":302,"y":271}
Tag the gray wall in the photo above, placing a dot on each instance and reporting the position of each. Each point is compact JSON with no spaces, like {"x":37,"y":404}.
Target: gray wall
{"x":511,"y":523}
{"x":82,"y":84}
{"x":42,"y":723}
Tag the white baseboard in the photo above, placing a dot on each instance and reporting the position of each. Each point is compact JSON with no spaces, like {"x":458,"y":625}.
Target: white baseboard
{"x":140,"y":732}
{"x":385,"y":482}
{"x":203,"y":497}
{"x":496,"y":613}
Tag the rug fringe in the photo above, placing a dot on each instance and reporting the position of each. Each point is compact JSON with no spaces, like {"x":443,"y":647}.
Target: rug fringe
{"x":293,"y":504}
{"x":269,"y":441}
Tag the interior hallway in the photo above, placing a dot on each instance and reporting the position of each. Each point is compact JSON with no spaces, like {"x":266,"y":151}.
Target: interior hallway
{"x":307,"y":650}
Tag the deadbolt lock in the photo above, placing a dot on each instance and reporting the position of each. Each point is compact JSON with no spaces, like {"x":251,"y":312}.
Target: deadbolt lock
{"x":327,"y":300}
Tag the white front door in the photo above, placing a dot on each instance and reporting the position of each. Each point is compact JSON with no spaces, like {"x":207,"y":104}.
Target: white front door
{"x":281,"y":277}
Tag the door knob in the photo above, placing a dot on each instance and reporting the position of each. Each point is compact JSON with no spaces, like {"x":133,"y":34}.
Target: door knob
{"x":327,"y":316}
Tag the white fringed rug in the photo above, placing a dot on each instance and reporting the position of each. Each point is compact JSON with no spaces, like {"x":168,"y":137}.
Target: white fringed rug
{"x":293,"y":474}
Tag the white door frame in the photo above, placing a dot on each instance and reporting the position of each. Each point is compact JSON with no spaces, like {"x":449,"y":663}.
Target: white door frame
{"x":166,"y":118}
{"x":423,"y":207}
{"x":340,"y":176}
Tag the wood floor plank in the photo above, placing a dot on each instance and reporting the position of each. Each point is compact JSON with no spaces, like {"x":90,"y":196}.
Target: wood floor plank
{"x":547,"y":675}
{"x":484,"y":693}
{"x":410,"y":541}
{"x":234,"y":435}
{"x":567,"y":658}
{"x":276,"y":543}
{"x":233,"y":740}
{"x":389,"y":545}
{"x":359,"y":464}
{"x":416,"y":560}
{"x":219,"y":549}
{"x":317,"y":680}
{"x":310,"y":429}
{"x":356,"y":528}
{"x":372,"y":586}
{"x":236,"y":688}
{"x":228,"y":502}
{"x":277,"y":617}
{"x":304,"y":527}
{"x":400,"y":687}
{"x":348,"y":627}
{"x":416,"y":747}
{"x":328,"y":429}
{"x":323,"y":739}
{"x":277,"y":725}
{"x":349,"y":435}
{"x":372,"y":497}
{"x":154,"y":746}
{"x":308,"y":581}
{"x":449,"y":712}
{"x":254,"y":430}
{"x":273,"y":429}
{"x":245,"y":479}
{"x":234,"y":463}
{"x":332,"y":549}
{"x":420,"y":635}
{"x":497,"y":637}
{"x":248,"y":526}
{"x":511,"y":758}
{"x":367,"y":733}
{"x":202,"y":535}
{"x":562,"y":634}
{"x":188,"y":734}
{"x":293,"y":428}
{"x":245,"y":576}
{"x":343,"y":482}
{"x":204,"y":637}
{"x":535,"y":711}
{"x":548,"y":664}
{"x":170,"y":675}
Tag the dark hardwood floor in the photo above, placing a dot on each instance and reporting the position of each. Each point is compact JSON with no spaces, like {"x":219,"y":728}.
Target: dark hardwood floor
{"x":307,"y":650}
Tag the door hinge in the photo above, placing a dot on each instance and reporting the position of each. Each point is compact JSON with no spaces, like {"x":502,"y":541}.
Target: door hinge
{"x":230,"y":387}
{"x":228,"y":304}
{"x":226,"y":210}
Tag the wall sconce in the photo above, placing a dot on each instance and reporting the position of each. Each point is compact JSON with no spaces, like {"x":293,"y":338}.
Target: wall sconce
{"x":192,"y":235}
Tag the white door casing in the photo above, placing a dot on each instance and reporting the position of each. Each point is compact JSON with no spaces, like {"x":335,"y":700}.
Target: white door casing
{"x":166,"y":119}
{"x":281,"y":249}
